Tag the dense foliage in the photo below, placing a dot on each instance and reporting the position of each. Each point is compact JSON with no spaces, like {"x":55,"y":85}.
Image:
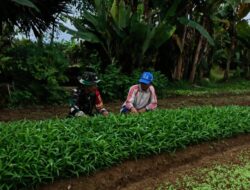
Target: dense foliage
{"x":30,"y":15}
{"x":39,"y":72}
{"x":115,"y":84}
{"x":182,"y":39}
{"x":38,"y":152}
{"x":36,"y":72}
{"x":179,"y":40}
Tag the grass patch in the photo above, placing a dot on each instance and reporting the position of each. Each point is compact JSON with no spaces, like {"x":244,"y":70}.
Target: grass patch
{"x":209,"y":88}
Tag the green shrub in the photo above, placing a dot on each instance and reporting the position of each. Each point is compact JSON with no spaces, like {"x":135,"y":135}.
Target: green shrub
{"x":115,"y":85}
{"x":36,"y":72}
{"x":160,"y":83}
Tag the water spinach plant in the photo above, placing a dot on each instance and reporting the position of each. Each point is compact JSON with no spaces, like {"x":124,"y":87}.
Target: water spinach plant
{"x":36,"y":152}
{"x":229,"y":176}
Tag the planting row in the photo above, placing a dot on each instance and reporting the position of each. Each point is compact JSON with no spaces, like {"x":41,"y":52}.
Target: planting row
{"x":220,"y":176}
{"x":36,"y":152}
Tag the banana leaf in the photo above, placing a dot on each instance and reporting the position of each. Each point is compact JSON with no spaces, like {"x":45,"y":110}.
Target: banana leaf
{"x":27,"y":3}
{"x":200,"y":28}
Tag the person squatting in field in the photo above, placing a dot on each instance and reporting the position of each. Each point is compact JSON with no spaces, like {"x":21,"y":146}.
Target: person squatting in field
{"x":141,"y":97}
{"x":86,"y":99}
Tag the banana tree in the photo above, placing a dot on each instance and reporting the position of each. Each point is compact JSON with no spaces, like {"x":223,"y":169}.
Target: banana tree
{"x":192,"y":28}
{"x":235,"y":11}
{"x":243,"y":35}
{"x":199,"y":18}
{"x":202,"y":16}
{"x":121,"y":34}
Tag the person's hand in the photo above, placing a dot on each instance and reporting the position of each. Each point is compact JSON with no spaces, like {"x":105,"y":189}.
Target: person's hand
{"x":133,"y":110}
{"x":80,"y":114}
{"x":105,"y":113}
{"x":142,"y":110}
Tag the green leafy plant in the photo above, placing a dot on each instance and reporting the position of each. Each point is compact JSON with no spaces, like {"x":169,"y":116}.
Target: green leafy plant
{"x":220,"y":176}
{"x":36,"y":72}
{"x":35,"y":152}
{"x":115,"y":84}
{"x":121,"y":34}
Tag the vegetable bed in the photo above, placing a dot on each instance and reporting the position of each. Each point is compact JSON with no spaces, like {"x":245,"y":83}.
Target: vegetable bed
{"x":35,"y":152}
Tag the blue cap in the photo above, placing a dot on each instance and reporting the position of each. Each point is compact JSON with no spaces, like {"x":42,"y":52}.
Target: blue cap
{"x":146,"y":78}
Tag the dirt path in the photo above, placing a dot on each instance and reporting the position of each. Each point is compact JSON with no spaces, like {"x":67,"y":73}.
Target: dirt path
{"x":148,"y":173}
{"x":172,"y":102}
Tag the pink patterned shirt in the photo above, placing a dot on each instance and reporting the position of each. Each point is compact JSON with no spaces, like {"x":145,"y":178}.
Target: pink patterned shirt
{"x":139,"y":98}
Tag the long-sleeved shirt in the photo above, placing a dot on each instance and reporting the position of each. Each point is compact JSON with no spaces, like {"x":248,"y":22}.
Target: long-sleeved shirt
{"x":139,"y":98}
{"x":86,"y":102}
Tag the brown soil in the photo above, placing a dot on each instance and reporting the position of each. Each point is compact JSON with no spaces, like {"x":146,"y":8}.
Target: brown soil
{"x":148,"y":173}
{"x":46,"y":112}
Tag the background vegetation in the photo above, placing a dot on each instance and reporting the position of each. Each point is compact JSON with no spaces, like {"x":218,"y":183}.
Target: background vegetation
{"x":186,"y":41}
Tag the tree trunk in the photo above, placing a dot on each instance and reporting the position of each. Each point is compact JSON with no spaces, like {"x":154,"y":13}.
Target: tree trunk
{"x":209,"y":61}
{"x":248,"y":64}
{"x":202,"y":59}
{"x":178,"y":71}
{"x":166,"y":59}
{"x":132,"y":3}
{"x":146,"y":9}
{"x":230,"y":58}
{"x":180,"y":65}
{"x":226,"y":73}
{"x":196,"y":60}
